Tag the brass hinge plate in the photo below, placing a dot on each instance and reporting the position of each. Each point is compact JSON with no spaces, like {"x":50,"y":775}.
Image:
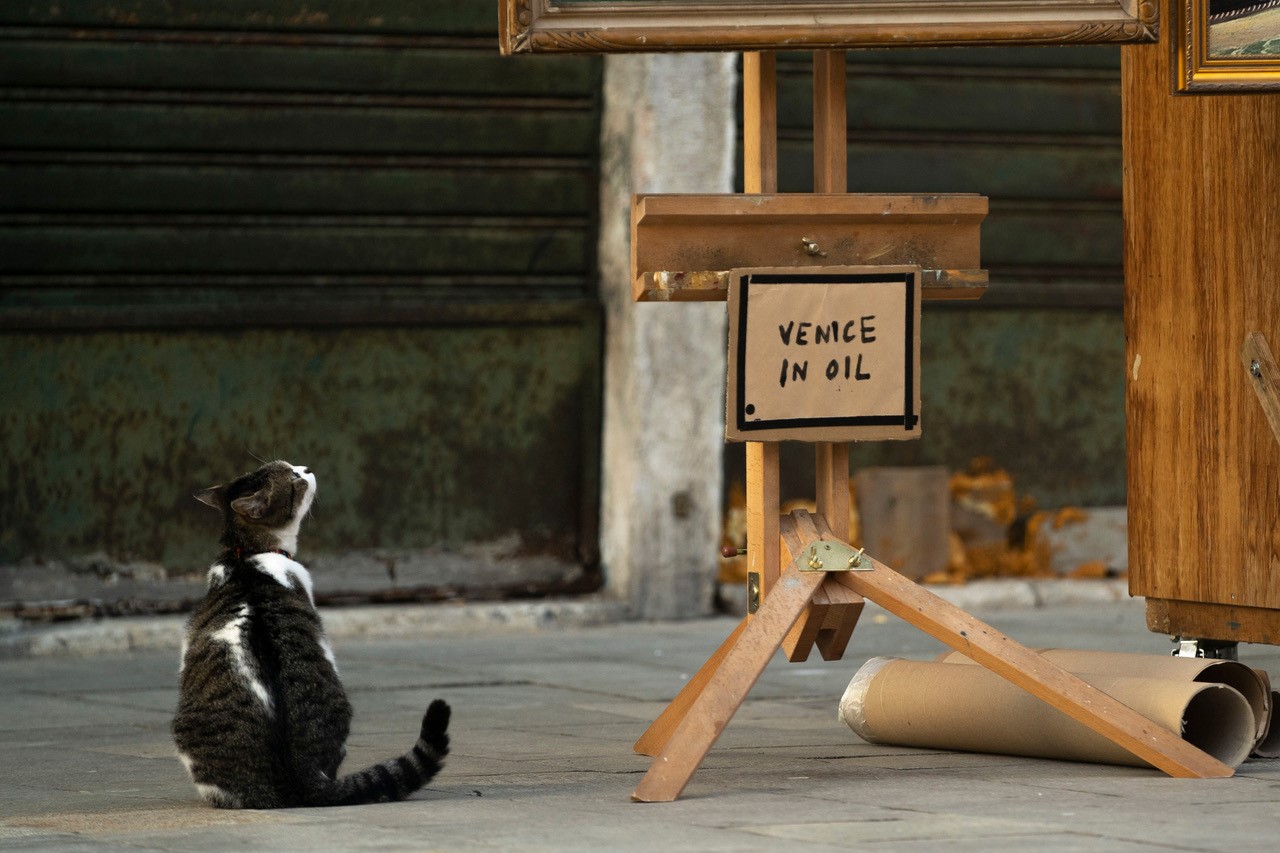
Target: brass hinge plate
{"x":753,"y":592}
{"x":833,"y":556}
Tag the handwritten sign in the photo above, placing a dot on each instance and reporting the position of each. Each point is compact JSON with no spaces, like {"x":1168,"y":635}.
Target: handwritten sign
{"x":824,"y":354}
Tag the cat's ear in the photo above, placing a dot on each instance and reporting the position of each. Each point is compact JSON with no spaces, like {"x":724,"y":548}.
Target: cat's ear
{"x":211,"y":496}
{"x":252,"y":506}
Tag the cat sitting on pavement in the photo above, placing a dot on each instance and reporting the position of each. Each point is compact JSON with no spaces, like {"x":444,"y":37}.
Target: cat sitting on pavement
{"x":262,"y":717}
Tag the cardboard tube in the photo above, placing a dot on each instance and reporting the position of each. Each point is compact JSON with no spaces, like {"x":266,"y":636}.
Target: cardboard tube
{"x":1269,"y":746}
{"x":1200,"y":670}
{"x":968,"y":708}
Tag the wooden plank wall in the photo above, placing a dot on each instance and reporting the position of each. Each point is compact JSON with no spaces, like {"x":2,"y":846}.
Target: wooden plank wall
{"x":184,"y":163}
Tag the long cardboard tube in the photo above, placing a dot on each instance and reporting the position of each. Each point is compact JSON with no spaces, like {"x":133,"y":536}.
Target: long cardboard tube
{"x":967,"y":708}
{"x":1199,"y":670}
{"x":1269,"y":745}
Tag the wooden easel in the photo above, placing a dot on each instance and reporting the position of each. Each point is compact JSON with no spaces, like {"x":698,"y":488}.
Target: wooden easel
{"x":811,"y":582}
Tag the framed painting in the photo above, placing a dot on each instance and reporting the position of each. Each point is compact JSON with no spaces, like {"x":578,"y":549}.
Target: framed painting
{"x":616,"y":26}
{"x":1227,"y":45}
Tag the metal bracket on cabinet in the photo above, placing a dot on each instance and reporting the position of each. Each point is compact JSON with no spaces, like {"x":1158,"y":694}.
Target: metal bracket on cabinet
{"x":1189,"y":647}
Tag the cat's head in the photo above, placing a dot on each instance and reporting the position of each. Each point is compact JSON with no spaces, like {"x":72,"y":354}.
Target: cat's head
{"x":264,"y":509}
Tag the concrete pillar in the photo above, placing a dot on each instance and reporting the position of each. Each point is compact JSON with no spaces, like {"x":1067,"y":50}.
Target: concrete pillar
{"x":668,"y":126}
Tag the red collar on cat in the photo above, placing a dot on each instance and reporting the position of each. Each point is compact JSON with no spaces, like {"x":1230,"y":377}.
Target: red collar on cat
{"x":239,"y":553}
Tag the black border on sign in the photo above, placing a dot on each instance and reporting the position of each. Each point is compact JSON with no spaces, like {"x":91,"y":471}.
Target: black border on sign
{"x":907,"y":420}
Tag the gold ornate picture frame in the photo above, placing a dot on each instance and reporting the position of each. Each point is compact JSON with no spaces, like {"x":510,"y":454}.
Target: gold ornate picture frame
{"x":616,"y":26}
{"x":1227,"y":45}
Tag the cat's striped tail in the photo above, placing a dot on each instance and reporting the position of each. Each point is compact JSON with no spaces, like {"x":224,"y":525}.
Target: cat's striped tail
{"x":398,"y":778}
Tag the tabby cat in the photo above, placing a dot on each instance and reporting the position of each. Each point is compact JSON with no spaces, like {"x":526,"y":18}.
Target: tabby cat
{"x":262,"y":718}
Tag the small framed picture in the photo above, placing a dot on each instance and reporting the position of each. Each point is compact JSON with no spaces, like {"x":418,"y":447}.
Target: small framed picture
{"x":1227,"y":45}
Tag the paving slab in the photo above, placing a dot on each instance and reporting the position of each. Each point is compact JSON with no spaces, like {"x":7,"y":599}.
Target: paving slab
{"x":544,"y":718}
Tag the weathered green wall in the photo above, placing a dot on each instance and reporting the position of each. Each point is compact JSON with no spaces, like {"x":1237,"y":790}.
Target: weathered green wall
{"x":346,"y":233}
{"x":411,"y":213}
{"x":1040,"y":391}
{"x":419,"y":437}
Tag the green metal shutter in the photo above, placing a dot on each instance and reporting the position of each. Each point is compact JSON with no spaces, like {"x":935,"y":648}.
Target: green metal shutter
{"x":350,"y":234}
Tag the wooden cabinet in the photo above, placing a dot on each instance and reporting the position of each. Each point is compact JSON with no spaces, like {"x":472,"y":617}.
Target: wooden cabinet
{"x":1202,"y":246}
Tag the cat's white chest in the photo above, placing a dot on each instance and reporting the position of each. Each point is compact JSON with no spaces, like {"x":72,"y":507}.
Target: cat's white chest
{"x":285,"y":571}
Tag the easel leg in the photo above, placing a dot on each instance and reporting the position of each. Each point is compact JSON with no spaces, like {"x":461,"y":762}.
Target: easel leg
{"x":657,"y":735}
{"x":763,"y":503}
{"x":831,"y":475}
{"x":711,"y":711}
{"x":1033,"y":673}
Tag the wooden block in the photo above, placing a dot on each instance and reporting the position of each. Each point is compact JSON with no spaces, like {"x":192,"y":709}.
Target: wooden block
{"x":842,"y":617}
{"x":906,"y":517}
{"x":1026,"y":669}
{"x":682,"y":234}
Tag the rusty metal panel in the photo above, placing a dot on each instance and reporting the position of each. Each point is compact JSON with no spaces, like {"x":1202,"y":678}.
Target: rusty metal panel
{"x":1040,"y":391}
{"x":423,"y":438}
{"x":399,"y":223}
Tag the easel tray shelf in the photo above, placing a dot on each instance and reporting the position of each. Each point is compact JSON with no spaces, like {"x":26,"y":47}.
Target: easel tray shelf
{"x":682,"y":246}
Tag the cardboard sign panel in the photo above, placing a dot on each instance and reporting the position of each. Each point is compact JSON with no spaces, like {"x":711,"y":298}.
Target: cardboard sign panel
{"x":615,"y":26}
{"x":824,"y":354}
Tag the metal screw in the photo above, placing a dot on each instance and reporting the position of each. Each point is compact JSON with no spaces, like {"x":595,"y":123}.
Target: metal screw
{"x":1256,"y":369}
{"x":811,"y":248}
{"x":814,"y":562}
{"x":856,"y":559}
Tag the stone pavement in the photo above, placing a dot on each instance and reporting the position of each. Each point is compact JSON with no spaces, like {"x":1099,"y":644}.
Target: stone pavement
{"x":543,"y":723}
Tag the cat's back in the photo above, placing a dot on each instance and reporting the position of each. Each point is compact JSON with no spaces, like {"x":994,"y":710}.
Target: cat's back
{"x":256,"y":612}
{"x":252,"y":641}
